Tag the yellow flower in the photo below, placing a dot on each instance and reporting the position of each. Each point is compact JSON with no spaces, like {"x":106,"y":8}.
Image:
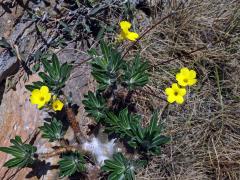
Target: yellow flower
{"x":125,"y":33}
{"x":40,"y":96}
{"x":175,"y":93}
{"x":186,"y":77}
{"x":57,"y":105}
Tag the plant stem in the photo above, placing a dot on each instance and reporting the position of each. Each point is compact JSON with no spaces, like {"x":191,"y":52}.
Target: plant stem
{"x":61,"y":150}
{"x":75,"y":126}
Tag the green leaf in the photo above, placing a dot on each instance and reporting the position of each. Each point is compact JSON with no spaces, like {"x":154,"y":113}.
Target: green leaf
{"x":36,"y":67}
{"x":95,"y":105}
{"x":48,"y":68}
{"x":54,"y":76}
{"x":36,"y":85}
{"x":14,"y":162}
{"x":153,"y":123}
{"x":53,"y":130}
{"x":56,"y":64}
{"x":135,"y":74}
{"x":46,"y":79}
{"x":105,"y":67}
{"x":120,"y":168}
{"x":121,"y":124}
{"x":22,"y":153}
{"x":148,"y":140}
{"x":65,"y":71}
{"x":71,"y":163}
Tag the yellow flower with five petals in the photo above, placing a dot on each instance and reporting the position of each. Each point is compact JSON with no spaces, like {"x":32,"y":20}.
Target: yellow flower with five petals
{"x":125,"y":33}
{"x":186,"y":77}
{"x":40,"y":96}
{"x":175,"y":94}
{"x":57,"y":105}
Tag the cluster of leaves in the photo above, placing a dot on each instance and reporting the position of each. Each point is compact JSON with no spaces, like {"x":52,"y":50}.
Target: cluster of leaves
{"x":54,"y":76}
{"x":53,"y":130}
{"x":109,"y":69}
{"x":148,"y":140}
{"x":95,"y":105}
{"x":23,"y":153}
{"x":71,"y":163}
{"x":121,"y":168}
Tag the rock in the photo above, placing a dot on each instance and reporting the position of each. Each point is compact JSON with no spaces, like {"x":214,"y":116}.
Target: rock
{"x":19,"y":117}
{"x":8,"y":65}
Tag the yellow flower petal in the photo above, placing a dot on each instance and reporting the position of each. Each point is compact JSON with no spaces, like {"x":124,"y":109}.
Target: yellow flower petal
{"x":175,"y":94}
{"x":57,"y":105}
{"x":132,"y":36}
{"x":192,"y":74}
{"x":171,"y":99}
{"x":179,"y":99}
{"x":178,"y":76}
{"x":35,"y":92}
{"x":34,"y":96}
{"x":34,"y":99}
{"x":125,"y":25}
{"x":192,"y":82}
{"x":40,"y":96}
{"x":180,"y":79}
{"x":184,"y":71}
{"x":40,"y":104}
{"x":182,"y":92}
{"x":44,"y":89}
{"x":183,"y":83}
{"x":175,"y":86}
{"x":47,"y":97}
{"x":186,"y":77}
{"x":169,"y":91}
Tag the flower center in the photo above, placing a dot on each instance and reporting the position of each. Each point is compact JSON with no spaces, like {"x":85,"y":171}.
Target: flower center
{"x":41,"y":98}
{"x":175,"y":93}
{"x":56,"y":106}
{"x":185,"y":80}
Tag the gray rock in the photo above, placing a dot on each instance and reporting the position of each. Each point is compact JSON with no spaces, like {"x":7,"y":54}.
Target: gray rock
{"x":80,"y":76}
{"x":8,"y":65}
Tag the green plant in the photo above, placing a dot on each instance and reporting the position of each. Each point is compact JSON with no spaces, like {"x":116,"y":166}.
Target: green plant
{"x":55,"y":75}
{"x":71,"y":163}
{"x":94,"y":105}
{"x":120,"y":168}
{"x":110,"y":106}
{"x":105,"y":67}
{"x":121,"y":124}
{"x":53,"y":130}
{"x":136,"y":74}
{"x":149,"y":139}
{"x":23,"y":153}
{"x":109,"y":69}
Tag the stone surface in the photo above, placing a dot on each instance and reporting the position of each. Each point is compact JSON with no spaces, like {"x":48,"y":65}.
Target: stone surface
{"x":8,"y":65}
{"x":18,"y":116}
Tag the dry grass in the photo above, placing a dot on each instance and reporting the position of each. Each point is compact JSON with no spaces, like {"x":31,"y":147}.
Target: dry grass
{"x":205,"y":130}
